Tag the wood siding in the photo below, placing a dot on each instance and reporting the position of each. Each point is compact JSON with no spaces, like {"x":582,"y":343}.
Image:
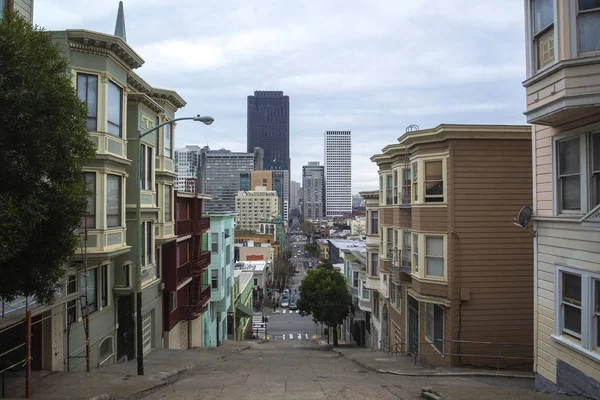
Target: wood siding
{"x":25,"y":8}
{"x":386,"y":215}
{"x":565,"y":244}
{"x":491,"y":260}
{"x":430,"y":289}
{"x":429,"y":219}
{"x":543,"y":137}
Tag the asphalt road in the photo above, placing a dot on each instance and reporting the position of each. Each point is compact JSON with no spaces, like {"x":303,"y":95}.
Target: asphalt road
{"x":290,"y":325}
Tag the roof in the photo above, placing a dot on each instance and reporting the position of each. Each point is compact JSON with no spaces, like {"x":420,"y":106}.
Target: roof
{"x":455,"y":131}
{"x":251,"y":266}
{"x":349,"y":245}
{"x":244,"y":278}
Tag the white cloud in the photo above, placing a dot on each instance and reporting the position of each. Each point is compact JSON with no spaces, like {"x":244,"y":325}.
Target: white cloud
{"x":371,"y":67}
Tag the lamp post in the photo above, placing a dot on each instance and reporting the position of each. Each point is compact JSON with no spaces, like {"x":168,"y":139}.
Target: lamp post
{"x":138,"y":219}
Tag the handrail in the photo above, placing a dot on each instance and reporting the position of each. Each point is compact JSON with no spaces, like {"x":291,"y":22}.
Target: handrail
{"x":396,"y":348}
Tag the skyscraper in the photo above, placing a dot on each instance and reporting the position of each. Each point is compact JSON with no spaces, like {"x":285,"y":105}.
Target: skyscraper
{"x":295,"y":194}
{"x":338,"y":173}
{"x":187,"y":162}
{"x":313,"y":176}
{"x":269,"y":128}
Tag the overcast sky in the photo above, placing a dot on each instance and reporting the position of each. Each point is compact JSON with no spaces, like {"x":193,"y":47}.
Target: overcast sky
{"x":372,"y":67}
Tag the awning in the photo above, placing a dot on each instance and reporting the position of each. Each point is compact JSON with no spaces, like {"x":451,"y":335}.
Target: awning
{"x":244,"y":309}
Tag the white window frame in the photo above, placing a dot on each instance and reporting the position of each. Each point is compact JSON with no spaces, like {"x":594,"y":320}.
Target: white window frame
{"x":585,"y":168}
{"x":415,"y":245}
{"x":426,"y":257}
{"x":418,"y":179}
{"x":147,"y":167}
{"x":169,"y":128}
{"x":118,"y":178}
{"x":530,"y":49}
{"x":168,"y":211}
{"x":589,"y":324}
{"x":574,"y":31}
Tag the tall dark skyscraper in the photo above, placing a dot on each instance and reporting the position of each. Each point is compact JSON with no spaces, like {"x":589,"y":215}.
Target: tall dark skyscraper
{"x":269,"y":128}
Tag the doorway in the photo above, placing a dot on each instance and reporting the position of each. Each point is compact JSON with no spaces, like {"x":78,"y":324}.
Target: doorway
{"x":413,"y":326}
{"x":125,"y":337}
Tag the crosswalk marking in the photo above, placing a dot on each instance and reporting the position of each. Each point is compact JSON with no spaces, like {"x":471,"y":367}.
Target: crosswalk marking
{"x":290,"y":311}
{"x":291,"y":336}
{"x":306,"y":334}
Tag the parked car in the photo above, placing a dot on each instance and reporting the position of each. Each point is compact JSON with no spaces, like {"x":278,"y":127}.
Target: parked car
{"x":285,"y":302}
{"x":293,"y":305}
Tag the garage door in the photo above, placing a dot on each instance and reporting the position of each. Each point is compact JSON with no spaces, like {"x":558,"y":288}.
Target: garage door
{"x":147,"y":333}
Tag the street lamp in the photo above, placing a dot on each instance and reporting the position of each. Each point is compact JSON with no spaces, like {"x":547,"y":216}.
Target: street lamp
{"x":206,"y":120}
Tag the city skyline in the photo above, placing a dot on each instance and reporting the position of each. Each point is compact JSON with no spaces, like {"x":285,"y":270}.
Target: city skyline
{"x":401,"y":64}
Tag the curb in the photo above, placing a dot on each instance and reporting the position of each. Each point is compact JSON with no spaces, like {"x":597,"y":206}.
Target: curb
{"x":434,"y":374}
{"x":168,"y":378}
{"x":429,"y":394}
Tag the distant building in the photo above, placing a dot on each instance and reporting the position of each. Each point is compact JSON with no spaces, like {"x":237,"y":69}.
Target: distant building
{"x":269,"y":128}
{"x":338,"y":173}
{"x":358,"y":203}
{"x":277,"y":181}
{"x":187,"y":164}
{"x":313,"y":185}
{"x":255,"y":205}
{"x":295,"y":194}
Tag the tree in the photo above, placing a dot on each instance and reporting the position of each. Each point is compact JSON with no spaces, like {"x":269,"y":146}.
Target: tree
{"x":287,"y":254}
{"x":324,"y":295}
{"x":44,"y":143}
{"x":307,"y":228}
{"x":283,"y":270}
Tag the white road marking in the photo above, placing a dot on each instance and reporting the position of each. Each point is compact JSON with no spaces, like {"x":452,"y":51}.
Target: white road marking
{"x":297,"y":311}
{"x":283,"y":337}
{"x":306,"y":334}
{"x":291,"y":336}
{"x":283,"y":312}
{"x":299,"y":336}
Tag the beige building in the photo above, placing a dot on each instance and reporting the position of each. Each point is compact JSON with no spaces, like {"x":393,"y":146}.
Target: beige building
{"x":563,"y":104}
{"x":254,"y":206}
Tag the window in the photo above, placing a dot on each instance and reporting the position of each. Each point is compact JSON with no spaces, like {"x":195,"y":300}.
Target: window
{"x":354,"y":279}
{"x":104,"y":286}
{"x":72,"y":305}
{"x":388,"y":190}
{"x":113,"y":201}
{"x":415,"y":252}
{"x":168,"y":141}
{"x":543,"y":32}
{"x":228,"y":287}
{"x":588,"y":24}
{"x":214,"y":279}
{"x":396,"y":296}
{"x":366,"y":294}
{"x":434,"y":182}
{"x":147,"y":243}
{"x":577,"y":173}
{"x":146,"y":165}
{"x":90,"y":183}
{"x":172,"y":301}
{"x":222,"y":277}
{"x":88,"y":281}
{"x":106,"y":349}
{"x":390,"y":244}
{"x":214,"y":245}
{"x":395,"y":187}
{"x":415,"y":181}
{"x":156,"y":197}
{"x":374,"y":264}
{"x":228,"y":254}
{"x":168,"y":207}
{"x":406,"y":249}
{"x":115,"y":109}
{"x":577,"y":315}
{"x":255,"y":282}
{"x":569,"y":174}
{"x":381,"y":190}
{"x":406,"y":185}
{"x":434,"y":256}
{"x":374,"y":222}
{"x":87,"y":91}
{"x":434,"y":330}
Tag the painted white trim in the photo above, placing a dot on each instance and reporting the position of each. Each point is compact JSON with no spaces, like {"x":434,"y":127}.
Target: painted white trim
{"x":573,"y":31}
{"x":535,"y":246}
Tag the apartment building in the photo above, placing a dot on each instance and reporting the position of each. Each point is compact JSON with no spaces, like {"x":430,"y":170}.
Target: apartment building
{"x":372,"y":276}
{"x":338,"y":173}
{"x":457,"y":272}
{"x":187,"y":164}
{"x":274,"y":180}
{"x":313,"y":191}
{"x":186,"y":292}
{"x":254,"y":206}
{"x":563,"y":92}
{"x":221,"y":278}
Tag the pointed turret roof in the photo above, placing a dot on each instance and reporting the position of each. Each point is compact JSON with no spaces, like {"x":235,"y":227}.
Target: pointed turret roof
{"x":120,"y":26}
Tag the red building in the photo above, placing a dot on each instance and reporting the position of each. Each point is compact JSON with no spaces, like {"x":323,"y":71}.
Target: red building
{"x":185,"y":261}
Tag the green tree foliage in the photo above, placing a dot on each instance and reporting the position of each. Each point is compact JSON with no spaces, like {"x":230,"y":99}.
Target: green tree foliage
{"x":283,"y":270}
{"x":307,"y":228}
{"x":287,"y":254}
{"x":43,"y":145}
{"x":324,"y":295}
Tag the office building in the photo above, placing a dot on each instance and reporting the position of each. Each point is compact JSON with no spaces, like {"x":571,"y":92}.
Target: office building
{"x":277,"y":181}
{"x":269,"y":128}
{"x":338,"y":173}
{"x":187,"y":163}
{"x":313,"y":190}
{"x":295,"y":194}
{"x":255,"y":206}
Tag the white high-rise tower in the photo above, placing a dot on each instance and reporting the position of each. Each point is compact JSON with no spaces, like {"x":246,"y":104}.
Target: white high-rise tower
{"x":338,"y":173}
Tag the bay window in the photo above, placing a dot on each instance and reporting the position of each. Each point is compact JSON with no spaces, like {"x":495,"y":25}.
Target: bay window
{"x":214,"y":279}
{"x":146,"y":166}
{"x":542,"y":12}
{"x":88,"y":283}
{"x":103,"y":285}
{"x":434,"y":256}
{"x":395,"y":194}
{"x":577,"y":173}
{"x":374,"y":264}
{"x":577,"y":310}
{"x":434,"y":182}
{"x":113,"y":201}
{"x":415,"y":253}
{"x":90,"y":183}
{"x":168,"y":197}
{"x":115,"y":109}
{"x":381,"y":198}
{"x":406,"y":249}
{"x":389,"y":244}
{"x":87,"y":91}
{"x":168,"y":141}
{"x":588,"y":25}
{"x":388,"y":190}
{"x":374,"y":222}
{"x":415,"y":181}
{"x":355,"y":279}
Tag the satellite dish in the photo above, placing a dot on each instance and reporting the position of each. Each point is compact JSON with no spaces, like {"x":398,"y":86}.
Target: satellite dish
{"x":523,"y":217}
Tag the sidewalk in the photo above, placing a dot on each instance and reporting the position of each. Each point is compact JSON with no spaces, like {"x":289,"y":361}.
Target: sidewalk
{"x":120,"y":381}
{"x":509,"y":385}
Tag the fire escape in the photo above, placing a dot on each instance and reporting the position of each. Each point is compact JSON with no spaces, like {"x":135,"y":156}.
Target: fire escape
{"x":198,"y":291}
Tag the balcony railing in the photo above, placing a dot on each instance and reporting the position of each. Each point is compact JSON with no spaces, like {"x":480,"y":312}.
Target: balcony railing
{"x":202,"y":225}
{"x":199,"y":299}
{"x":200,"y":263}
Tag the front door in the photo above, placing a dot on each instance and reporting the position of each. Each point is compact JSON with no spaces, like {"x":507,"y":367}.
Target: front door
{"x":413,"y":326}
{"x":125,"y":339}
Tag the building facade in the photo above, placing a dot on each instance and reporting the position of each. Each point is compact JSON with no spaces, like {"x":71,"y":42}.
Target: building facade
{"x":313,"y":191}
{"x":269,"y":128}
{"x":338,"y":173}
{"x":239,"y":316}
{"x":186,"y":293}
{"x":254,"y":206}
{"x":277,"y":181}
{"x":374,"y":281}
{"x":295,"y":194}
{"x":562,"y":47}
{"x":452,"y":265}
{"x":187,"y":165}
{"x":221,"y":278}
